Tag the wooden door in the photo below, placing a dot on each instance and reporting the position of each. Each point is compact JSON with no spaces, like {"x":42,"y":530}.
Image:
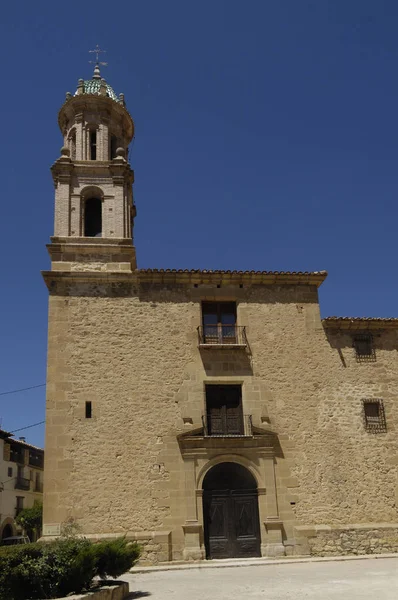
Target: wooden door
{"x":231,"y":524}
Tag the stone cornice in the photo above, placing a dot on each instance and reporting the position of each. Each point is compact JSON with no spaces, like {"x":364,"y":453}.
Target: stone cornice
{"x":232,"y":277}
{"x":181,"y":277}
{"x":360,"y":323}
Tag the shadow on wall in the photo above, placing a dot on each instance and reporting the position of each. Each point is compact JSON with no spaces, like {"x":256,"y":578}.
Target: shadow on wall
{"x":218,"y":361}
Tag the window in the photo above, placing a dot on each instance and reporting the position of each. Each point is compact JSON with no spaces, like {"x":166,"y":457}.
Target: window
{"x":19,"y":505}
{"x":36,"y":458}
{"x":38,"y":483}
{"x":364,"y":347}
{"x":374,"y":415}
{"x":93,"y":217}
{"x":88,"y":410}
{"x":17,"y":453}
{"x":72,"y":144}
{"x":113,"y":146}
{"x":9,"y":472}
{"x":219,"y":322}
{"x":224,"y":410}
{"x":93,"y":145}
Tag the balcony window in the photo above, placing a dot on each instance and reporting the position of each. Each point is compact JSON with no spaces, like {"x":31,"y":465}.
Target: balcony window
{"x":36,"y":458}
{"x":224,"y":415}
{"x":219,"y":325}
{"x":17,"y":454}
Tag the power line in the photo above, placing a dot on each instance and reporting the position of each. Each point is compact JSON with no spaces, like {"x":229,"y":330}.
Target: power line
{"x":28,"y":427}
{"x":32,"y":387}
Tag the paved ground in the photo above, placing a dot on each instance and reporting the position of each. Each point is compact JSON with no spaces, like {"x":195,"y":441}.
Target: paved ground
{"x":371,"y":579}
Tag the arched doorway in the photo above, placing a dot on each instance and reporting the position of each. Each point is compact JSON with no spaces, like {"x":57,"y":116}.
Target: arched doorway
{"x":7,"y":532}
{"x":230,"y":512}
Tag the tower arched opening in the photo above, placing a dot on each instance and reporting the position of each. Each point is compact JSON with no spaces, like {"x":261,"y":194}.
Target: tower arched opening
{"x":93,"y":217}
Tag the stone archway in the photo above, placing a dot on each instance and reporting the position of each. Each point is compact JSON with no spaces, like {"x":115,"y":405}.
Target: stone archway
{"x":230,"y":512}
{"x":7,"y":531}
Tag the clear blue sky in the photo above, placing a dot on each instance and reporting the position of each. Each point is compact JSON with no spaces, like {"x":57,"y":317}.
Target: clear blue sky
{"x":266,"y":138}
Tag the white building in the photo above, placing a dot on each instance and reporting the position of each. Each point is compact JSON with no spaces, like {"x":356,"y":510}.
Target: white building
{"x":21,"y":480}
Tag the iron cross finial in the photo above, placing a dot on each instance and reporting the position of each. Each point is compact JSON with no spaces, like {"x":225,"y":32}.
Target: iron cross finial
{"x":97,"y":51}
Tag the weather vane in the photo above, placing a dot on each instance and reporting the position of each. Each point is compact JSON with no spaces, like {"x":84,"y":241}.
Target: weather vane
{"x":97,"y":52}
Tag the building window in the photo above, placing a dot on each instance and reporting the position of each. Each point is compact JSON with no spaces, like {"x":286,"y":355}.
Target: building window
{"x":93,"y":145}
{"x":224,"y":415}
{"x":364,"y":347}
{"x":72,"y":144}
{"x":38,"y":484}
{"x":9,"y":472}
{"x":219,"y":322}
{"x":19,"y":506}
{"x":374,"y":416}
{"x":113,"y":146}
{"x":93,"y":217}
{"x":36,"y":458}
{"x":17,"y":453}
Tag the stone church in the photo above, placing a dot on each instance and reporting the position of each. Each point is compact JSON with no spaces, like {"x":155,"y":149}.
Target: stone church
{"x":205,"y":414}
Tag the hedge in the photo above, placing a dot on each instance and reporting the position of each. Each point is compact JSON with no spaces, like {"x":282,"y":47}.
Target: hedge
{"x":66,"y":566}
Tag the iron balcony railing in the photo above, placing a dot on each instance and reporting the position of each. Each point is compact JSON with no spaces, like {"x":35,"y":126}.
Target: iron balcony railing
{"x":21,"y":483}
{"x":227,"y":426}
{"x":222,"y":335}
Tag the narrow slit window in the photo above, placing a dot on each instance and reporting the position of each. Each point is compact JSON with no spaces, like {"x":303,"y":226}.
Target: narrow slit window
{"x":88,"y":410}
{"x":374,"y":416}
{"x":93,"y":145}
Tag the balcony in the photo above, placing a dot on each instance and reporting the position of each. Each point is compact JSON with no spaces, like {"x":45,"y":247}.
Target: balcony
{"x":17,"y":456}
{"x":227,"y":426}
{"x":36,"y":459}
{"x":21,"y":483}
{"x":222,"y":336}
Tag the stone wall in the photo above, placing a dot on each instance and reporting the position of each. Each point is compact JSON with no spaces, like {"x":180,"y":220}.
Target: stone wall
{"x":132,"y":351}
{"x":373,"y":538}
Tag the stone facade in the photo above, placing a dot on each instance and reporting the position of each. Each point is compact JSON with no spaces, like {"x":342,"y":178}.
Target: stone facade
{"x":123,"y":345}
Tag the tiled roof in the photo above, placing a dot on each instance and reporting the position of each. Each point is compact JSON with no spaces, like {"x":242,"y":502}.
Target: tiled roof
{"x":92,"y":86}
{"x":221,"y":272}
{"x":360,"y":322}
{"x":204,"y":276}
{"x":6,"y":435}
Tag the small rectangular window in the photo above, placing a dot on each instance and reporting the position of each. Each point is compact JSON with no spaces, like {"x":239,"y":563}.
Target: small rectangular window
{"x":93,"y":145}
{"x":374,"y":416}
{"x":364,"y":347}
{"x":9,"y":472}
{"x":88,"y":410}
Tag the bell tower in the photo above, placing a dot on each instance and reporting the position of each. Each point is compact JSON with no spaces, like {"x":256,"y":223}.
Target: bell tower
{"x":94,"y":205}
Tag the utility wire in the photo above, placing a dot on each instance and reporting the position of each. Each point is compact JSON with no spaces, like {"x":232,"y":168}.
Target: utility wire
{"x":28,"y":427}
{"x":32,"y":387}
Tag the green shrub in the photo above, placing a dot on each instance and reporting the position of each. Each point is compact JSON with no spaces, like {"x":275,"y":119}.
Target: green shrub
{"x":115,"y":557}
{"x":56,"y":569}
